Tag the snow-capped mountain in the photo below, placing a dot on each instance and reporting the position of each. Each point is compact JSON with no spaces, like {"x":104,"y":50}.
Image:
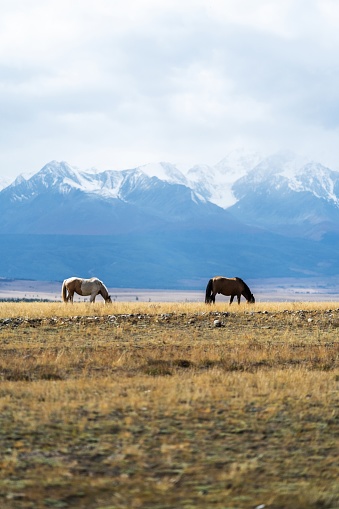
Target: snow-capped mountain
{"x":212,"y":183}
{"x":156,"y":225}
{"x":289,"y":195}
{"x":164,"y":171}
{"x":282,"y":193}
{"x":315,"y":178}
{"x":63,"y":178}
{"x":215,"y":183}
{"x":61,"y":199}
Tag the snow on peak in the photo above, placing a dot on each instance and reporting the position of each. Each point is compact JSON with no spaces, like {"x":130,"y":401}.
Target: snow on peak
{"x":57,"y":173}
{"x":216,"y":182}
{"x":284,"y":163}
{"x":223,"y":184}
{"x":317,"y":179}
{"x":237,"y":164}
{"x":293,"y":172}
{"x":164,"y":171}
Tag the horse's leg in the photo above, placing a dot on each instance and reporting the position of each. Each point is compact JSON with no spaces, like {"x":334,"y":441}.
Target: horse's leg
{"x":231,"y":299}
{"x":239,"y":297}
{"x":66,"y":294}
{"x":92,"y":298}
{"x":213,"y":298}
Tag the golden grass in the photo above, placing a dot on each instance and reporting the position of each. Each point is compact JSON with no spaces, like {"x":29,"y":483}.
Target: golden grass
{"x":152,"y":406}
{"x":46,"y":309}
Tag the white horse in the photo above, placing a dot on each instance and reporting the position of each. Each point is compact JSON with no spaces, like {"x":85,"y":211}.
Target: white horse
{"x":91,"y":287}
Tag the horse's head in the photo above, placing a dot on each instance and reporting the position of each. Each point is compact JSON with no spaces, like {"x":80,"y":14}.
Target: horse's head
{"x":108,"y":300}
{"x":251,"y":300}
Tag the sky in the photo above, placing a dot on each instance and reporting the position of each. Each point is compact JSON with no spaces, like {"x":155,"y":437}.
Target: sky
{"x":112,"y":84}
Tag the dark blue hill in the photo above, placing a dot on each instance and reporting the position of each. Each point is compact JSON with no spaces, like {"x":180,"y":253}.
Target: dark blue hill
{"x":163,"y":260}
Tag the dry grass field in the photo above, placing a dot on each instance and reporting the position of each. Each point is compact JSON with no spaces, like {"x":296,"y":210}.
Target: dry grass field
{"x":148,"y":405}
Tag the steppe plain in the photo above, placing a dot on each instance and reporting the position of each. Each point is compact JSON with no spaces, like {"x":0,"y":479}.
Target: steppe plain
{"x":313,"y":289}
{"x":147,"y":404}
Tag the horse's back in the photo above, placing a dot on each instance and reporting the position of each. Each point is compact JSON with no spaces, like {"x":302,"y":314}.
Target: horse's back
{"x":82,"y":281}
{"x":70,"y":280}
{"x":230,"y":285}
{"x":91,"y":285}
{"x":93,"y":280}
{"x":225,"y":279}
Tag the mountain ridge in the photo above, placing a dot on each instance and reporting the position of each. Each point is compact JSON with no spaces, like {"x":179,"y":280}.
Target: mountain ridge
{"x":212,"y":183}
{"x":278,"y":192}
{"x":283,"y":220}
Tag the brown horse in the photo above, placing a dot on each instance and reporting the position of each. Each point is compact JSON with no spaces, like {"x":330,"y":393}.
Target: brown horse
{"x":92,"y":287}
{"x":233,"y":286}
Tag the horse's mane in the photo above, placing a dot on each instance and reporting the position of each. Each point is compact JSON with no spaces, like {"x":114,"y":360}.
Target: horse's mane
{"x":241,"y":280}
{"x":246,"y":288}
{"x":104,"y":290}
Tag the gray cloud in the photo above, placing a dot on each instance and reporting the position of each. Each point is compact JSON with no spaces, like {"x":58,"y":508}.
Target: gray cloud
{"x":119,"y":84}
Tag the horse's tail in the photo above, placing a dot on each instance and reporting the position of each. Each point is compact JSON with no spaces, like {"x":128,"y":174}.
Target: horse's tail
{"x":209,"y":291}
{"x":64,"y":291}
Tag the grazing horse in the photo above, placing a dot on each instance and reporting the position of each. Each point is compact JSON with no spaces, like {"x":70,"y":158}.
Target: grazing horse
{"x":91,"y":287}
{"x":233,"y":286}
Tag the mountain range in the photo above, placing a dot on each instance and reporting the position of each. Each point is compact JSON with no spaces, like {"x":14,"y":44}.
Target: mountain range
{"x":157,"y":226}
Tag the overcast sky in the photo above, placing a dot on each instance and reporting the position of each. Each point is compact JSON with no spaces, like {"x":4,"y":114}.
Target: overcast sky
{"x":116,"y":84}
